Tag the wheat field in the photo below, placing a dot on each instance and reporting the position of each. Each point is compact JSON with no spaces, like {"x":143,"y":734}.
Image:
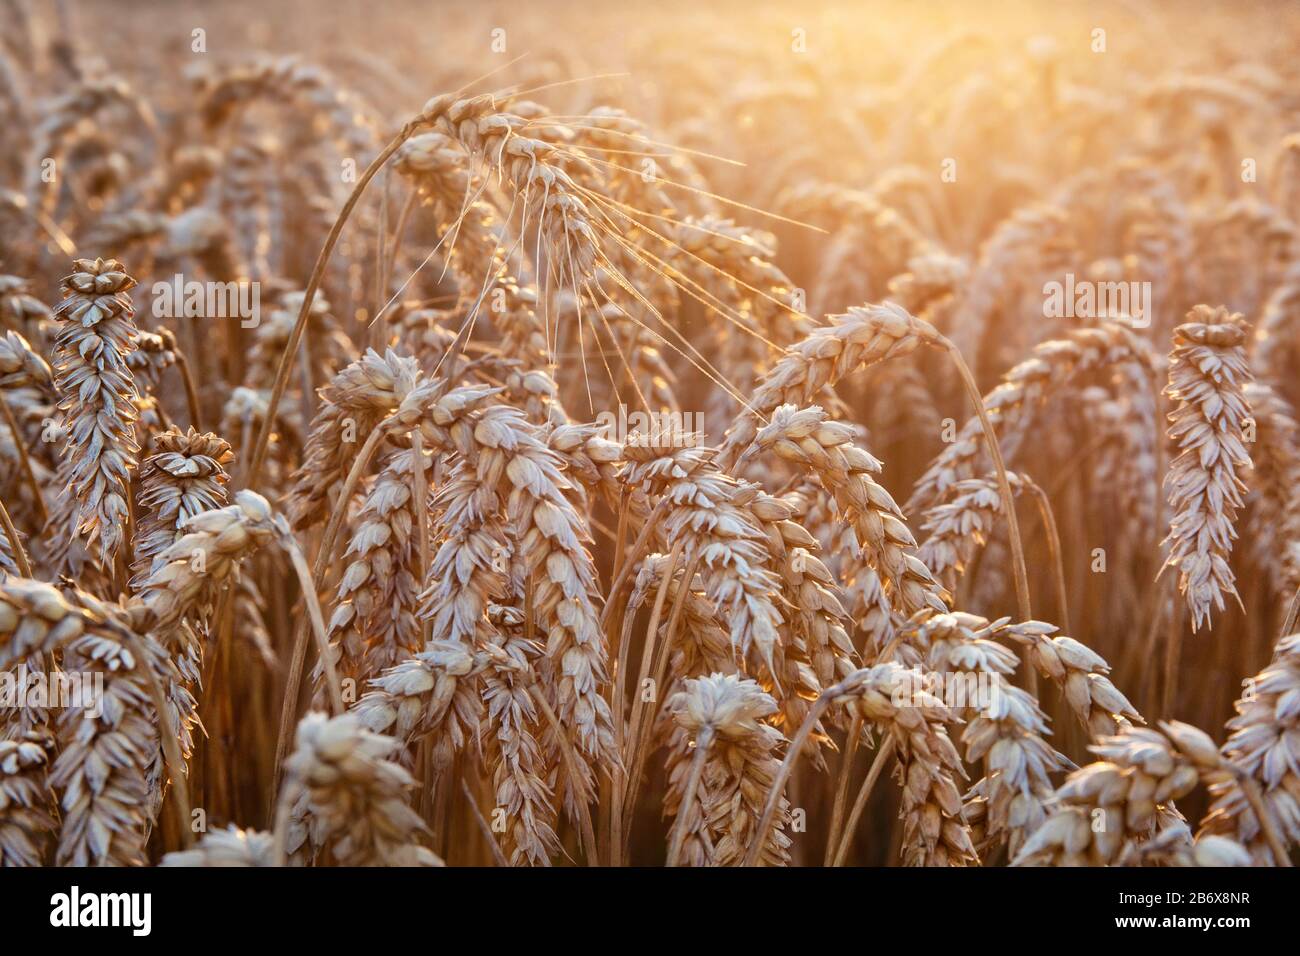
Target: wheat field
{"x":568,"y":434}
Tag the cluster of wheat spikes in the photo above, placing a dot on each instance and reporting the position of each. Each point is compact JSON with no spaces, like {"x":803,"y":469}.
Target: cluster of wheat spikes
{"x":499,"y":478}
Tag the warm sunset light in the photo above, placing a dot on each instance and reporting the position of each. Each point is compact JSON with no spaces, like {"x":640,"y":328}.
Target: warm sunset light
{"x":591,"y":434}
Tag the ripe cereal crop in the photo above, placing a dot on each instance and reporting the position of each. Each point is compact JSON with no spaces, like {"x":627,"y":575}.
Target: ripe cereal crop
{"x":559,"y":435}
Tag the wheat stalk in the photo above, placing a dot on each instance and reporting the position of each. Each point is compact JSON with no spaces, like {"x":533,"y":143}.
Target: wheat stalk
{"x":183,"y":477}
{"x":1012,"y":405}
{"x":1082,"y":676}
{"x":1005,"y":725}
{"x":374,"y":624}
{"x":861,"y":337}
{"x":1275,"y":460}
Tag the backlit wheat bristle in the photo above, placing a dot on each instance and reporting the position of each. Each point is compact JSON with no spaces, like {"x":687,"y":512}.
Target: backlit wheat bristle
{"x":537,"y":171}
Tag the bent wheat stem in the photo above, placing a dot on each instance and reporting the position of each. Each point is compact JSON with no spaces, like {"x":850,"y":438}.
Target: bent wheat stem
{"x":1004,"y":491}
{"x":24,"y":460}
{"x":824,"y":700}
{"x":309,"y":296}
{"x":15,"y":543}
{"x":180,"y":795}
{"x":293,"y":679}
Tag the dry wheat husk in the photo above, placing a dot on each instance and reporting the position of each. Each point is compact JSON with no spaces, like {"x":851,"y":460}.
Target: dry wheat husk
{"x":184,"y":476}
{"x":545,"y":178}
{"x":514,"y":467}
{"x":521,"y":773}
{"x":1207,"y":371}
{"x":1013,"y":405}
{"x":935,"y":829}
{"x":1264,"y":744}
{"x":1007,"y":730}
{"x":1081,"y":674}
{"x":1274,"y":537}
{"x":739,"y":769}
{"x":355,"y":800}
{"x":176,"y":598}
{"x":962,"y":524}
{"x":861,"y":337}
{"x":806,"y":438}
{"x":26,"y":800}
{"x":352,"y":404}
{"x":20,"y":311}
{"x":1121,"y":800}
{"x":708,"y":518}
{"x":229,"y":846}
{"x":1174,"y":846}
{"x":103,"y":765}
{"x":374,"y":622}
{"x":98,"y":399}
